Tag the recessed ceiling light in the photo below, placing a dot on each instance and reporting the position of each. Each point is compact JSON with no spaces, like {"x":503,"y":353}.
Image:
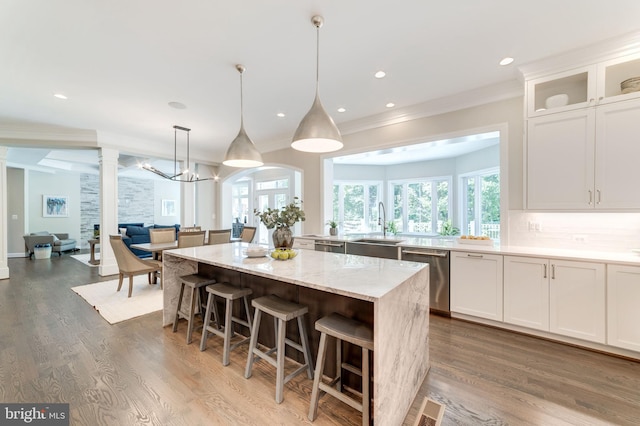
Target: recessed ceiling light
{"x":177,"y":105}
{"x":380,"y":74}
{"x":506,"y":61}
{"x":390,"y":105}
{"x":60,"y":96}
{"x":280,"y":114}
{"x":341,"y":109}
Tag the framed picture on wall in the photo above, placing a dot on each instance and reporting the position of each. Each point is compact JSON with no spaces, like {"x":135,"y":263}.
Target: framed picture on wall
{"x":55,"y":206}
{"x":168,"y":207}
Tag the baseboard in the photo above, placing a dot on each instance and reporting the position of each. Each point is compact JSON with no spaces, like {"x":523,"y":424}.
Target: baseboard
{"x":17,"y":255}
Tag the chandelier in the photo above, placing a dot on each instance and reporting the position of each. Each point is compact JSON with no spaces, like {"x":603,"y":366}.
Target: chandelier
{"x":179,"y":175}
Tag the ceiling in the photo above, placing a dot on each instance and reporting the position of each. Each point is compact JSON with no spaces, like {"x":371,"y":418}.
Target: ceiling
{"x":121,"y":62}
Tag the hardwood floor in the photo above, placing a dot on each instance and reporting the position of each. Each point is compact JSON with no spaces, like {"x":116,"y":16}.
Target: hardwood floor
{"x":55,"y":348}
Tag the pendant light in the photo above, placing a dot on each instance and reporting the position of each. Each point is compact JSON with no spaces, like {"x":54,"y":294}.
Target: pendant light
{"x":242,"y":152}
{"x":317,"y":132}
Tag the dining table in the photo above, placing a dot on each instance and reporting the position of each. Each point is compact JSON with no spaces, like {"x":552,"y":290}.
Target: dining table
{"x":155,"y":249}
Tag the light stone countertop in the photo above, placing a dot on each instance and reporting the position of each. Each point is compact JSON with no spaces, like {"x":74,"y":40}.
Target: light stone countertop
{"x":364,"y":278}
{"x":623,"y":258}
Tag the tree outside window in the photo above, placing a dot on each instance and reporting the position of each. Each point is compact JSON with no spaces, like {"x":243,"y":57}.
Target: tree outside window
{"x":481,"y":199}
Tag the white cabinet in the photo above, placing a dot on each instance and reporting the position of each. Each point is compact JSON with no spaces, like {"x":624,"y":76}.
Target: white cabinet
{"x":476,"y":284}
{"x":623,"y":306}
{"x":560,"y":158}
{"x":582,"y":155}
{"x":303,"y":243}
{"x":577,"y":300}
{"x":526,"y":292}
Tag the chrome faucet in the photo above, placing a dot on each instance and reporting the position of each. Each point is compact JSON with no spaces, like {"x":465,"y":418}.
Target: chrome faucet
{"x":382,"y":220}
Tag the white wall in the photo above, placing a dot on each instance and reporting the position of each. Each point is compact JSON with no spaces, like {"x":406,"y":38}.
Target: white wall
{"x":165,"y":190}
{"x":15,"y":211}
{"x":61,"y":183}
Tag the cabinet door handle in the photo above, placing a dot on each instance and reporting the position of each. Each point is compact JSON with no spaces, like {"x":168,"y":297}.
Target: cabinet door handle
{"x":545,"y":271}
{"x":590,"y":197}
{"x":475,"y":256}
{"x":591,"y":101}
{"x":599,"y":196}
{"x":553,"y":272}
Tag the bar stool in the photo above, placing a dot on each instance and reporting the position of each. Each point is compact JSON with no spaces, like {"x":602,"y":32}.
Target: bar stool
{"x":195,"y":282}
{"x":281,"y":311}
{"x":229,"y":293}
{"x":356,"y":333}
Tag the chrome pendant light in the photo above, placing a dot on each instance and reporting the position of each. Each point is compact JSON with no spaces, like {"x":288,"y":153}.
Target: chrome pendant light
{"x":242,"y":152}
{"x":317,"y":132}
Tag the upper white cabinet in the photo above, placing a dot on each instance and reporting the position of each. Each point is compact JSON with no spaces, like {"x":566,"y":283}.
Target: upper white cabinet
{"x":476,"y":284}
{"x":581,"y":155}
{"x":623,"y":302}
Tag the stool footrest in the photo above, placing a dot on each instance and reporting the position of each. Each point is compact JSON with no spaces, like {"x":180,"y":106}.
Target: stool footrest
{"x":341,"y":396}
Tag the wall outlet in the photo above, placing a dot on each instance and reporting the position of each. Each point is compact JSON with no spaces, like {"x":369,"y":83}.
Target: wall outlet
{"x":580,"y":238}
{"x":535,"y":226}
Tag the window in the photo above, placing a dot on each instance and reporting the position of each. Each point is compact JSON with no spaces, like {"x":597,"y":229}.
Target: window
{"x":420,"y":206}
{"x":240,"y":201}
{"x":481,"y":203}
{"x":355,"y":205}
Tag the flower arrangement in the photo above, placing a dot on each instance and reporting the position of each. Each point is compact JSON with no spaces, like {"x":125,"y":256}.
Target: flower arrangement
{"x":285,"y":217}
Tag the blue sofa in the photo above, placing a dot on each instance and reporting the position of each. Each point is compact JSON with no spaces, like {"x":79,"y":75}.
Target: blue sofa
{"x":137,"y":233}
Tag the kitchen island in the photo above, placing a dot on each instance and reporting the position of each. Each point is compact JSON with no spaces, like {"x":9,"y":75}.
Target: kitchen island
{"x":393,"y":296}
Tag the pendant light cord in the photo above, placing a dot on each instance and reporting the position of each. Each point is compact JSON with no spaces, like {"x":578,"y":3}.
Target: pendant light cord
{"x":241,"y":102}
{"x":317,"y":58}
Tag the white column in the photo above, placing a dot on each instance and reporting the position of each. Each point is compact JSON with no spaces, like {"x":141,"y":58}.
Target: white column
{"x":187,"y":205}
{"x":108,"y":208}
{"x":4,"y":234}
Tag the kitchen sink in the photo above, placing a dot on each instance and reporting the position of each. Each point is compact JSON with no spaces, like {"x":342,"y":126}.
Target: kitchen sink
{"x":374,"y":247}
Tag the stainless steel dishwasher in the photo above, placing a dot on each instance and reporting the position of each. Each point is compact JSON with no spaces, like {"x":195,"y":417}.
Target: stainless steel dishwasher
{"x":329,"y":246}
{"x":438,"y":261}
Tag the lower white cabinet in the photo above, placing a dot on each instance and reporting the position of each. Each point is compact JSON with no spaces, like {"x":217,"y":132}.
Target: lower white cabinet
{"x":577,"y":299}
{"x":304,"y":243}
{"x":623,"y":306}
{"x":526,"y":292}
{"x":476,"y":284}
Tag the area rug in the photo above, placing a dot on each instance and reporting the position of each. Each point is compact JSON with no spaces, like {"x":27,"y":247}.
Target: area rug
{"x":84,"y":258}
{"x":115,"y":306}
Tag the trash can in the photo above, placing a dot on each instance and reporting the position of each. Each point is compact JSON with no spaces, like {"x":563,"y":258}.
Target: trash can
{"x":42,"y":251}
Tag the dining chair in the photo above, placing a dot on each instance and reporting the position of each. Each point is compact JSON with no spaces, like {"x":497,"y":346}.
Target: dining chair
{"x":219,"y":236}
{"x":162,"y":235}
{"x":190,"y":228}
{"x":191,"y":238}
{"x":131,"y":265}
{"x":248,"y":232}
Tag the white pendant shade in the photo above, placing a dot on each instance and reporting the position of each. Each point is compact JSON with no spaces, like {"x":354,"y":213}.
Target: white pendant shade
{"x":242,"y":152}
{"x":317,"y":132}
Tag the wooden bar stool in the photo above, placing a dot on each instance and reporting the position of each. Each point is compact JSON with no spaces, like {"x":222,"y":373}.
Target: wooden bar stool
{"x":282,"y":311}
{"x":229,"y":293}
{"x":195,"y":282}
{"x":356,"y":333}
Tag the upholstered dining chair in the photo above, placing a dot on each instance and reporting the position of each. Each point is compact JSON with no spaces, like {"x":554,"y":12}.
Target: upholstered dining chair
{"x":191,"y":239}
{"x":129,"y":264}
{"x":162,"y":235}
{"x":190,"y":228}
{"x":248,"y":232}
{"x":219,"y":236}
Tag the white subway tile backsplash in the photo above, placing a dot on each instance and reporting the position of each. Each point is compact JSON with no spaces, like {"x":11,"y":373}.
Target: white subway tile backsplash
{"x":584,"y":230}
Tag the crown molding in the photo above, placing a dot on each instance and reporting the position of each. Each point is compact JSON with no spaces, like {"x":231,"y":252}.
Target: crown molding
{"x":36,"y":135}
{"x":476,"y":97}
{"x":599,"y":52}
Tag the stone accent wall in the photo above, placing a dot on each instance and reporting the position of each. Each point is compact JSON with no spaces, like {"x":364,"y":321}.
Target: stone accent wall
{"x":135,"y":203}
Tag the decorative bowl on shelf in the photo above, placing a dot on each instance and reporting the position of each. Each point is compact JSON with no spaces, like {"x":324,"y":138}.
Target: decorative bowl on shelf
{"x":556,"y":101}
{"x":630,"y":85}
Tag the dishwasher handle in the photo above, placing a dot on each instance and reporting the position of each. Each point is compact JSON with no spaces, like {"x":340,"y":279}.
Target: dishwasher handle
{"x":325,"y":244}
{"x":426,"y":253}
